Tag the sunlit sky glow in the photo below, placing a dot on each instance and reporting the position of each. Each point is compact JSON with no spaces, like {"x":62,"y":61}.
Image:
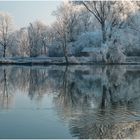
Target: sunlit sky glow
{"x":25,"y":12}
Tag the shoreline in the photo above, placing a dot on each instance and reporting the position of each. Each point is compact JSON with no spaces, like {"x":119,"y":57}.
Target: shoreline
{"x":61,"y":61}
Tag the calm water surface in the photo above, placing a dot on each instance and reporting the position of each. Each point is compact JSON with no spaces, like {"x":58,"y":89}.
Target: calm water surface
{"x":70,"y":102}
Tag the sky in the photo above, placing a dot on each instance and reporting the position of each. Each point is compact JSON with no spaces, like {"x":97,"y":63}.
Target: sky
{"x":25,"y":12}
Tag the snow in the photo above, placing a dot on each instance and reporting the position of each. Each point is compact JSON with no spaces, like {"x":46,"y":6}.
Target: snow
{"x":60,"y":60}
{"x":90,"y":39}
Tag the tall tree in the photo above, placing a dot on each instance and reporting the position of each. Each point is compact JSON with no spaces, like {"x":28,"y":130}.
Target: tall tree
{"x":6,"y":27}
{"x":109,"y":14}
{"x":37,"y":33}
{"x":67,"y":20}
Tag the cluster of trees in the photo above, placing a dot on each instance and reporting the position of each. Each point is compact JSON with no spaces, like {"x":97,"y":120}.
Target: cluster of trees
{"x":110,"y":26}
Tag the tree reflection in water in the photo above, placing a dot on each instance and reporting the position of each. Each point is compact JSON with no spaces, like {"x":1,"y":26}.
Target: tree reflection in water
{"x":101,"y":102}
{"x":96,"y":101}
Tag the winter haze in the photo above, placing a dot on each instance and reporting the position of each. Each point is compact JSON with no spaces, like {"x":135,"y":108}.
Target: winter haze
{"x":25,"y":12}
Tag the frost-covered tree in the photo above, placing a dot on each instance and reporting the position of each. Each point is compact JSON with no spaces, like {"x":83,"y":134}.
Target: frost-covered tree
{"x":85,"y":22}
{"x":89,"y":40}
{"x":37,"y":38}
{"x":109,"y":14}
{"x":61,"y":37}
{"x":6,"y":27}
{"x":54,"y":42}
{"x":66,"y":24}
{"x":23,"y":42}
{"x":134,"y":21}
{"x":19,"y":43}
{"x":128,"y":35}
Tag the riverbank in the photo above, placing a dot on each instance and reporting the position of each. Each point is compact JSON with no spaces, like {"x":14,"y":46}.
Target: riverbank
{"x":61,"y":61}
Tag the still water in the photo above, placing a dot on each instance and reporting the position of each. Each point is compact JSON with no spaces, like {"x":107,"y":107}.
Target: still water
{"x":70,"y":102}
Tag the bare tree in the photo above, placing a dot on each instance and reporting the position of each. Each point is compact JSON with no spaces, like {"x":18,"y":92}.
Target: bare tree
{"x":67,"y":20}
{"x":23,"y":41}
{"x":19,"y":43}
{"x":109,"y":14}
{"x":37,"y":33}
{"x":134,"y":18}
{"x":6,"y":27}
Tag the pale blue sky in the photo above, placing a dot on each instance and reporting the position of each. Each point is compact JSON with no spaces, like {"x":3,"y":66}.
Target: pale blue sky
{"x":25,"y":12}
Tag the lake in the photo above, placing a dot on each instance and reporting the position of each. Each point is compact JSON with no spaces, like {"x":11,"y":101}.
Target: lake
{"x":70,"y":102}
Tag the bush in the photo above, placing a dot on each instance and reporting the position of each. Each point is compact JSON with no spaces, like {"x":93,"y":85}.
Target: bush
{"x":115,"y":55}
{"x":55,"y":51}
{"x":88,"y":39}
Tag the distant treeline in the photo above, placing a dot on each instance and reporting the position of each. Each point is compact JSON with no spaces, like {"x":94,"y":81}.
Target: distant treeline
{"x":111,"y":27}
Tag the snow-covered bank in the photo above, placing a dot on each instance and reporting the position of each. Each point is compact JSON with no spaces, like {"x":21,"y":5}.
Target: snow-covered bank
{"x":61,"y":61}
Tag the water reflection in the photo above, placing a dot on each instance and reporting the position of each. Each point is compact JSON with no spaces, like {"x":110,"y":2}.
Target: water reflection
{"x":95,"y":101}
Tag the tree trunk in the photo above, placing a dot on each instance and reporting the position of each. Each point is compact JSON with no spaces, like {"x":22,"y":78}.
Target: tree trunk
{"x":103,"y":32}
{"x":65,"y":50}
{"x":66,"y":58}
{"x":65,"y":55}
{"x":4,"y":53}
